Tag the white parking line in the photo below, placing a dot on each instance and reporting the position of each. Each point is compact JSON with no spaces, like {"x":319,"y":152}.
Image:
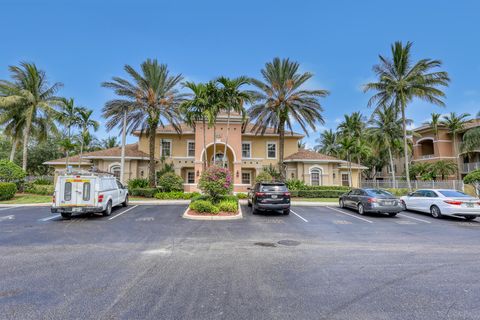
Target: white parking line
{"x":404,"y":215}
{"x":298,"y":215}
{"x":50,"y":218}
{"x":351,"y":215}
{"x":5,"y":208}
{"x":122,"y":212}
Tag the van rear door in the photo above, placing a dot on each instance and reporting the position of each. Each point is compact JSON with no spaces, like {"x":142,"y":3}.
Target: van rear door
{"x":77,"y":191}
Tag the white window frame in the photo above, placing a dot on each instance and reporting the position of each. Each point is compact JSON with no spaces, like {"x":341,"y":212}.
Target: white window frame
{"x":187,"y":181}
{"x":161,"y":147}
{"x":249,"y":177}
{"x":320,"y":176}
{"x":188,"y":148}
{"x":249,"y":150}
{"x":276,"y":149}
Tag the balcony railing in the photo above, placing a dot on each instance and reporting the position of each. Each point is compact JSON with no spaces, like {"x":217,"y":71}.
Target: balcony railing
{"x":427,"y":156}
{"x":469,"y":167}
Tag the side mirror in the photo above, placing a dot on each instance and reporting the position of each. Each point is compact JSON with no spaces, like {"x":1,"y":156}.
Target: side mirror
{"x":410,"y":194}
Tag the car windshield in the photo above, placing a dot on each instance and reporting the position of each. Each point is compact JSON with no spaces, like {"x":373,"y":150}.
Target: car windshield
{"x":454,"y":194}
{"x":273,"y":188}
{"x":378,"y":192}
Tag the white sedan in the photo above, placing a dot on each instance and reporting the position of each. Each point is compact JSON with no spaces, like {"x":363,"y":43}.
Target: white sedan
{"x":440,"y":202}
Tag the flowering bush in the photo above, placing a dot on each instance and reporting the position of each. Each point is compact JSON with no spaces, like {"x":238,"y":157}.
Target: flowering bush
{"x":215,"y":182}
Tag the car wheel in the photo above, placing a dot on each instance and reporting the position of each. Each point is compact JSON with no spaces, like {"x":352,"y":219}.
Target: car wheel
{"x":392,"y":214}
{"x":341,"y":203}
{"x":125,"y":203}
{"x":108,"y":209}
{"x":286,"y":212}
{"x":435,"y":212}
{"x":470,"y":217}
{"x":360,"y":209}
{"x":404,"y":206}
{"x":66,"y":215}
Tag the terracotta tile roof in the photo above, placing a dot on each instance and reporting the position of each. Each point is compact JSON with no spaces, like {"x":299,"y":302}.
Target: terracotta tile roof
{"x":304,"y":154}
{"x":131,"y":151}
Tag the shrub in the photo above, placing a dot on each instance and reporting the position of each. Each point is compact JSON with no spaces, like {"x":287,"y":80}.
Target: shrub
{"x":228,"y":206}
{"x":176,"y":195}
{"x":170,"y":181}
{"x":137,"y":183}
{"x":7,"y":190}
{"x":241,"y":195}
{"x":272,"y":171}
{"x":33,"y":188}
{"x":43,"y":182}
{"x":473,"y":178}
{"x":263,"y":177}
{"x":143,"y":192}
{"x":317,"y":193}
{"x":342,"y":188}
{"x":204,"y":206}
{"x":295,"y":184}
{"x":215,"y":182}
{"x":10,"y":172}
{"x":398,"y":192}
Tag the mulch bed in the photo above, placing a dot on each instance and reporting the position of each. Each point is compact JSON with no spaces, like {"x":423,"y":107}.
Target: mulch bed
{"x":221,"y":213}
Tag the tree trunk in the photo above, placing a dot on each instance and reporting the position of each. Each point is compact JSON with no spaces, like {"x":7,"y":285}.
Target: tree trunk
{"x":14,"y":149}
{"x":151,"y":166}
{"x":350,"y":182}
{"x":67,"y":150}
{"x":392,"y":167}
{"x":124,"y":140}
{"x":215,"y":145}
{"x":281,"y":129}
{"x":457,"y":156}
{"x":226,"y":138}
{"x":204,"y":145}
{"x":28,"y":126}
{"x":405,"y":145}
{"x":81,"y":150}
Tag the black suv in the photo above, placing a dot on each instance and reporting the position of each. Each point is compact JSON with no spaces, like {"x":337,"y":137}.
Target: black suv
{"x":269,"y":196}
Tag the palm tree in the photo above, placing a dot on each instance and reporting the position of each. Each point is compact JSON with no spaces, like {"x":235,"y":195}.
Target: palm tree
{"x":195,"y":109}
{"x":455,"y":123}
{"x":400,"y":81}
{"x":385,"y":130}
{"x":347,"y":148}
{"x":152,"y":99}
{"x":281,"y":100}
{"x":69,"y":116}
{"x":30,"y":95}
{"x":233,"y":98}
{"x":85,"y":122}
{"x":301,"y":144}
{"x":471,"y":141}
{"x":434,"y":123}
{"x":353,"y":125}
{"x":109,"y":143}
{"x":214,"y":107}
{"x":328,"y":143}
{"x":444,"y":168}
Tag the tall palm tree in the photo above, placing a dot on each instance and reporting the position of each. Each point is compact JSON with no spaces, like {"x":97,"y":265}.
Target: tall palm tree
{"x":347,"y":148}
{"x":327,"y":143}
{"x":69,"y":116}
{"x":385,"y":130}
{"x":434,"y":123}
{"x":29,"y":94}
{"x":153,"y":99}
{"x":281,"y":100}
{"x":353,"y":125}
{"x":400,"y":81}
{"x":195,"y":110}
{"x":109,"y":142}
{"x":455,"y":123}
{"x":85,"y":122}
{"x":213,"y":109}
{"x":233,"y":99}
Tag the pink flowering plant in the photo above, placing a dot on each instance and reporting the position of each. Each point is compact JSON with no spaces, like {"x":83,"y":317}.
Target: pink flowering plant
{"x":216,"y":182}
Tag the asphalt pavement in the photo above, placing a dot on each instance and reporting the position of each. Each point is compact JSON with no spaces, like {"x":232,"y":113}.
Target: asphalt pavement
{"x":147,"y":262}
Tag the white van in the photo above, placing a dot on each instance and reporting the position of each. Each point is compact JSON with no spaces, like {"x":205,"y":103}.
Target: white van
{"x":86,"y":192}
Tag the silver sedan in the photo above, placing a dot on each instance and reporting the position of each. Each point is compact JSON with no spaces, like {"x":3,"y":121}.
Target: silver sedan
{"x":440,"y":202}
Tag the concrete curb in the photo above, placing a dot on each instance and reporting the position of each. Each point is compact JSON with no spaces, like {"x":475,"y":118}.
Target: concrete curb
{"x":216,"y":218}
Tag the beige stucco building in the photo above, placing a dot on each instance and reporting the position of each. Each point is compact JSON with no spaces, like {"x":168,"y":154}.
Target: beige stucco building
{"x":246,"y":156}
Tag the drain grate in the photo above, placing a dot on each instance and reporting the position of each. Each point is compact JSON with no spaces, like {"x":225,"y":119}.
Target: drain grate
{"x":289,"y":243}
{"x":265,"y":244}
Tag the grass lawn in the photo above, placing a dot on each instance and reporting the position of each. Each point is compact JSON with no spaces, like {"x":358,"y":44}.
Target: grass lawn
{"x":316,"y":199}
{"x":24,"y":198}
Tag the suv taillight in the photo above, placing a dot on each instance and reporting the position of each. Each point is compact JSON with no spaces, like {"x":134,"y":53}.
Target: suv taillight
{"x":259,"y":194}
{"x":287,"y":194}
{"x":100,"y":198}
{"x":454,"y":202}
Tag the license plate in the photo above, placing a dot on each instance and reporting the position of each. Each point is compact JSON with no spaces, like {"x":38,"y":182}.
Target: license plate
{"x":388,"y":203}
{"x":470,"y":205}
{"x":274,"y":196}
{"x":77,"y":209}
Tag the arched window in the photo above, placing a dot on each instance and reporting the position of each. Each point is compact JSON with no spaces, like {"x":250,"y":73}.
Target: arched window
{"x":316,"y":177}
{"x":116,"y":171}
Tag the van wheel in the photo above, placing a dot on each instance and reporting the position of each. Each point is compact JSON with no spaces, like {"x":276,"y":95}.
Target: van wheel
{"x":435,"y":212}
{"x":66,"y":215}
{"x":125,"y":203}
{"x":108,"y":209}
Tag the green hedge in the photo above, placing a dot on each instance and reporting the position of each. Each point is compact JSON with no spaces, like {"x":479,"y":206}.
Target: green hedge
{"x":398,"y":192}
{"x":204,"y":206}
{"x":40,"y":189}
{"x":138,"y":183}
{"x":317,"y":193}
{"x":176,"y":195}
{"x":7,"y":190}
{"x":241,"y":195}
{"x":339,"y":188}
{"x":228,"y":206}
{"x":143,"y":192}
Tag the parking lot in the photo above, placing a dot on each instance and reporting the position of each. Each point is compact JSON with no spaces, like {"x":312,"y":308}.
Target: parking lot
{"x":317,"y":263}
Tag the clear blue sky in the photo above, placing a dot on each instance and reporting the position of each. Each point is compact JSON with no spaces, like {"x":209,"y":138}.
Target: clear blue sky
{"x":82,"y":43}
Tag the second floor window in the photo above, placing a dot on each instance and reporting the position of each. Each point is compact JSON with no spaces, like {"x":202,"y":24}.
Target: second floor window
{"x":166,"y":148}
{"x":246,"y":150}
{"x":191,"y":149}
{"x":271,"y":150}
